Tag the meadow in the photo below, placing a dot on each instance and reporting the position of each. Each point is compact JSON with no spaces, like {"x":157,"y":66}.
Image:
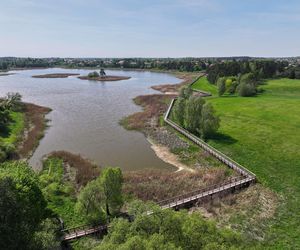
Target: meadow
{"x":263,"y":134}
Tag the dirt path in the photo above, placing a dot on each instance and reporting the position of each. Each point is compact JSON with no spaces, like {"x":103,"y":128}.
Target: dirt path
{"x":164,"y":153}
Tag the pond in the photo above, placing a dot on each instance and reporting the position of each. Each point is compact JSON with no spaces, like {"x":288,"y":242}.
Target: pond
{"x":86,"y":114}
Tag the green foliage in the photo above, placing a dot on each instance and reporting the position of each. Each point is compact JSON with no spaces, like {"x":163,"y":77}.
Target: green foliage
{"x":261,"y":68}
{"x":167,"y":229}
{"x":210,"y":123}
{"x":245,"y":89}
{"x":59,"y":192}
{"x":221,"y":86}
{"x":111,"y":181}
{"x":178,"y":110}
{"x":90,"y":202}
{"x":193,"y":113}
{"x":22,"y":205}
{"x":93,"y":74}
{"x":48,"y":236}
{"x":185,"y":92}
{"x":195,"y":116}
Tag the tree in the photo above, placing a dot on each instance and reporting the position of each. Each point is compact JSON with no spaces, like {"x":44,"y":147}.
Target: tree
{"x":102,"y":73}
{"x":292,"y":74}
{"x":167,"y":229}
{"x":179,"y":108}
{"x":221,"y":86}
{"x":93,"y":74}
{"x":245,"y":89}
{"x":22,"y":205}
{"x":48,"y":236}
{"x":210,"y":122}
{"x":193,"y":114}
{"x":90,"y":202}
{"x":112,"y":180}
{"x":186,"y":92}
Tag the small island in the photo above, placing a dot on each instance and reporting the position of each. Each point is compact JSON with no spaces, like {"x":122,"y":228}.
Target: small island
{"x":95,"y":76}
{"x":6,"y":74}
{"x":56,"y":75}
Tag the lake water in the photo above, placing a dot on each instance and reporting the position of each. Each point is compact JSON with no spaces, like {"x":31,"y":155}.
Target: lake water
{"x":85,"y":115}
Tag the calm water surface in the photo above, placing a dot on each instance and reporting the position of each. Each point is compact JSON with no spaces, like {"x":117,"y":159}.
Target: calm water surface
{"x":85,"y":115}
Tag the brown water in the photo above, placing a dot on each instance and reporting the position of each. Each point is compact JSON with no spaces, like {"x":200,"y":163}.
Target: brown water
{"x":85,"y":115}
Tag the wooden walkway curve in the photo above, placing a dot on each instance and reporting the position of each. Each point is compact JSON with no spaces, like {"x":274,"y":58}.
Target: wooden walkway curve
{"x":247,"y":177}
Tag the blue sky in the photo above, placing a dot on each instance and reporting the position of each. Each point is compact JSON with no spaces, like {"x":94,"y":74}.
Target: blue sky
{"x":139,"y":28}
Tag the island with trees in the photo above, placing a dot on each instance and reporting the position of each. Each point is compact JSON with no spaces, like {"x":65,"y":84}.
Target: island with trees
{"x":102,"y":77}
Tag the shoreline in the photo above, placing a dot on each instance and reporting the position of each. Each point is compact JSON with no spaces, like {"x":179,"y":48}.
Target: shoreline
{"x":163,"y":152}
{"x":34,"y":130}
{"x":147,"y":121}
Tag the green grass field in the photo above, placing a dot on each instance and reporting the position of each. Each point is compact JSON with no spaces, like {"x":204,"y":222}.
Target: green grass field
{"x":263,"y":134}
{"x":203,"y":84}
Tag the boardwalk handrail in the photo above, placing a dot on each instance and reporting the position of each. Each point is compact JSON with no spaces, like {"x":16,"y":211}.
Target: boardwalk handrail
{"x":224,"y":158}
{"x":209,"y":192}
{"x":198,"y":191}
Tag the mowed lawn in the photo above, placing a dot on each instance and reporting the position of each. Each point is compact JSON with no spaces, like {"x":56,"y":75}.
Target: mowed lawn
{"x":263,"y":134}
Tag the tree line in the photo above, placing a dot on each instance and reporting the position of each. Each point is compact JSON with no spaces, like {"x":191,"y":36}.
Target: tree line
{"x":215,"y":67}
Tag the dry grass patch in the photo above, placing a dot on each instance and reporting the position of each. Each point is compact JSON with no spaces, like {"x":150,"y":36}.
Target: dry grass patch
{"x":158,"y":185}
{"x":249,"y":211}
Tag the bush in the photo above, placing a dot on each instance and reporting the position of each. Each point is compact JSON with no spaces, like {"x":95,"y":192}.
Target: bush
{"x":245,"y":89}
{"x":221,"y":86}
{"x":93,"y":74}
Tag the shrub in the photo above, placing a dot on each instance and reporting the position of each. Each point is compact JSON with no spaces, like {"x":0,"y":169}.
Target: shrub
{"x":93,"y":74}
{"x":221,"y":86}
{"x":245,"y":89}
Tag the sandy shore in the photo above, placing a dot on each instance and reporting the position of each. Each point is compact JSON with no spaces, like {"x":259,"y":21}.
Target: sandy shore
{"x":164,"y":153}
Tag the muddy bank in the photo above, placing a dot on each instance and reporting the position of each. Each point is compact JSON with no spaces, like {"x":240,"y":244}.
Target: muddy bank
{"x":172,"y":89}
{"x":105,"y":78}
{"x":35,"y":125}
{"x":56,"y":75}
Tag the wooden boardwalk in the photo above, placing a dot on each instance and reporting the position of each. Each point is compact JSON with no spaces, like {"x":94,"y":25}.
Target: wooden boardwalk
{"x":247,"y":177}
{"x":81,"y":231}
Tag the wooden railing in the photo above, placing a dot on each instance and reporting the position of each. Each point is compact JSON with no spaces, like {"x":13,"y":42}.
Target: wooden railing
{"x":80,"y":231}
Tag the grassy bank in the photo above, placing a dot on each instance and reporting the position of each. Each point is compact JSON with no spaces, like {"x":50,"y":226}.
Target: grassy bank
{"x":203,"y":84}
{"x":263,"y":134}
{"x":12,"y":134}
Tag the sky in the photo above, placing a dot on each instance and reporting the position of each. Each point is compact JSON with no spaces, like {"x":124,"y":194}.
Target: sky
{"x":156,"y":28}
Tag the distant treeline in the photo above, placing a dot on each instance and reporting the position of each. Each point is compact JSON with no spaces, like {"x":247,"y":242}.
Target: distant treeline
{"x":215,"y":67}
{"x":260,"y":68}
